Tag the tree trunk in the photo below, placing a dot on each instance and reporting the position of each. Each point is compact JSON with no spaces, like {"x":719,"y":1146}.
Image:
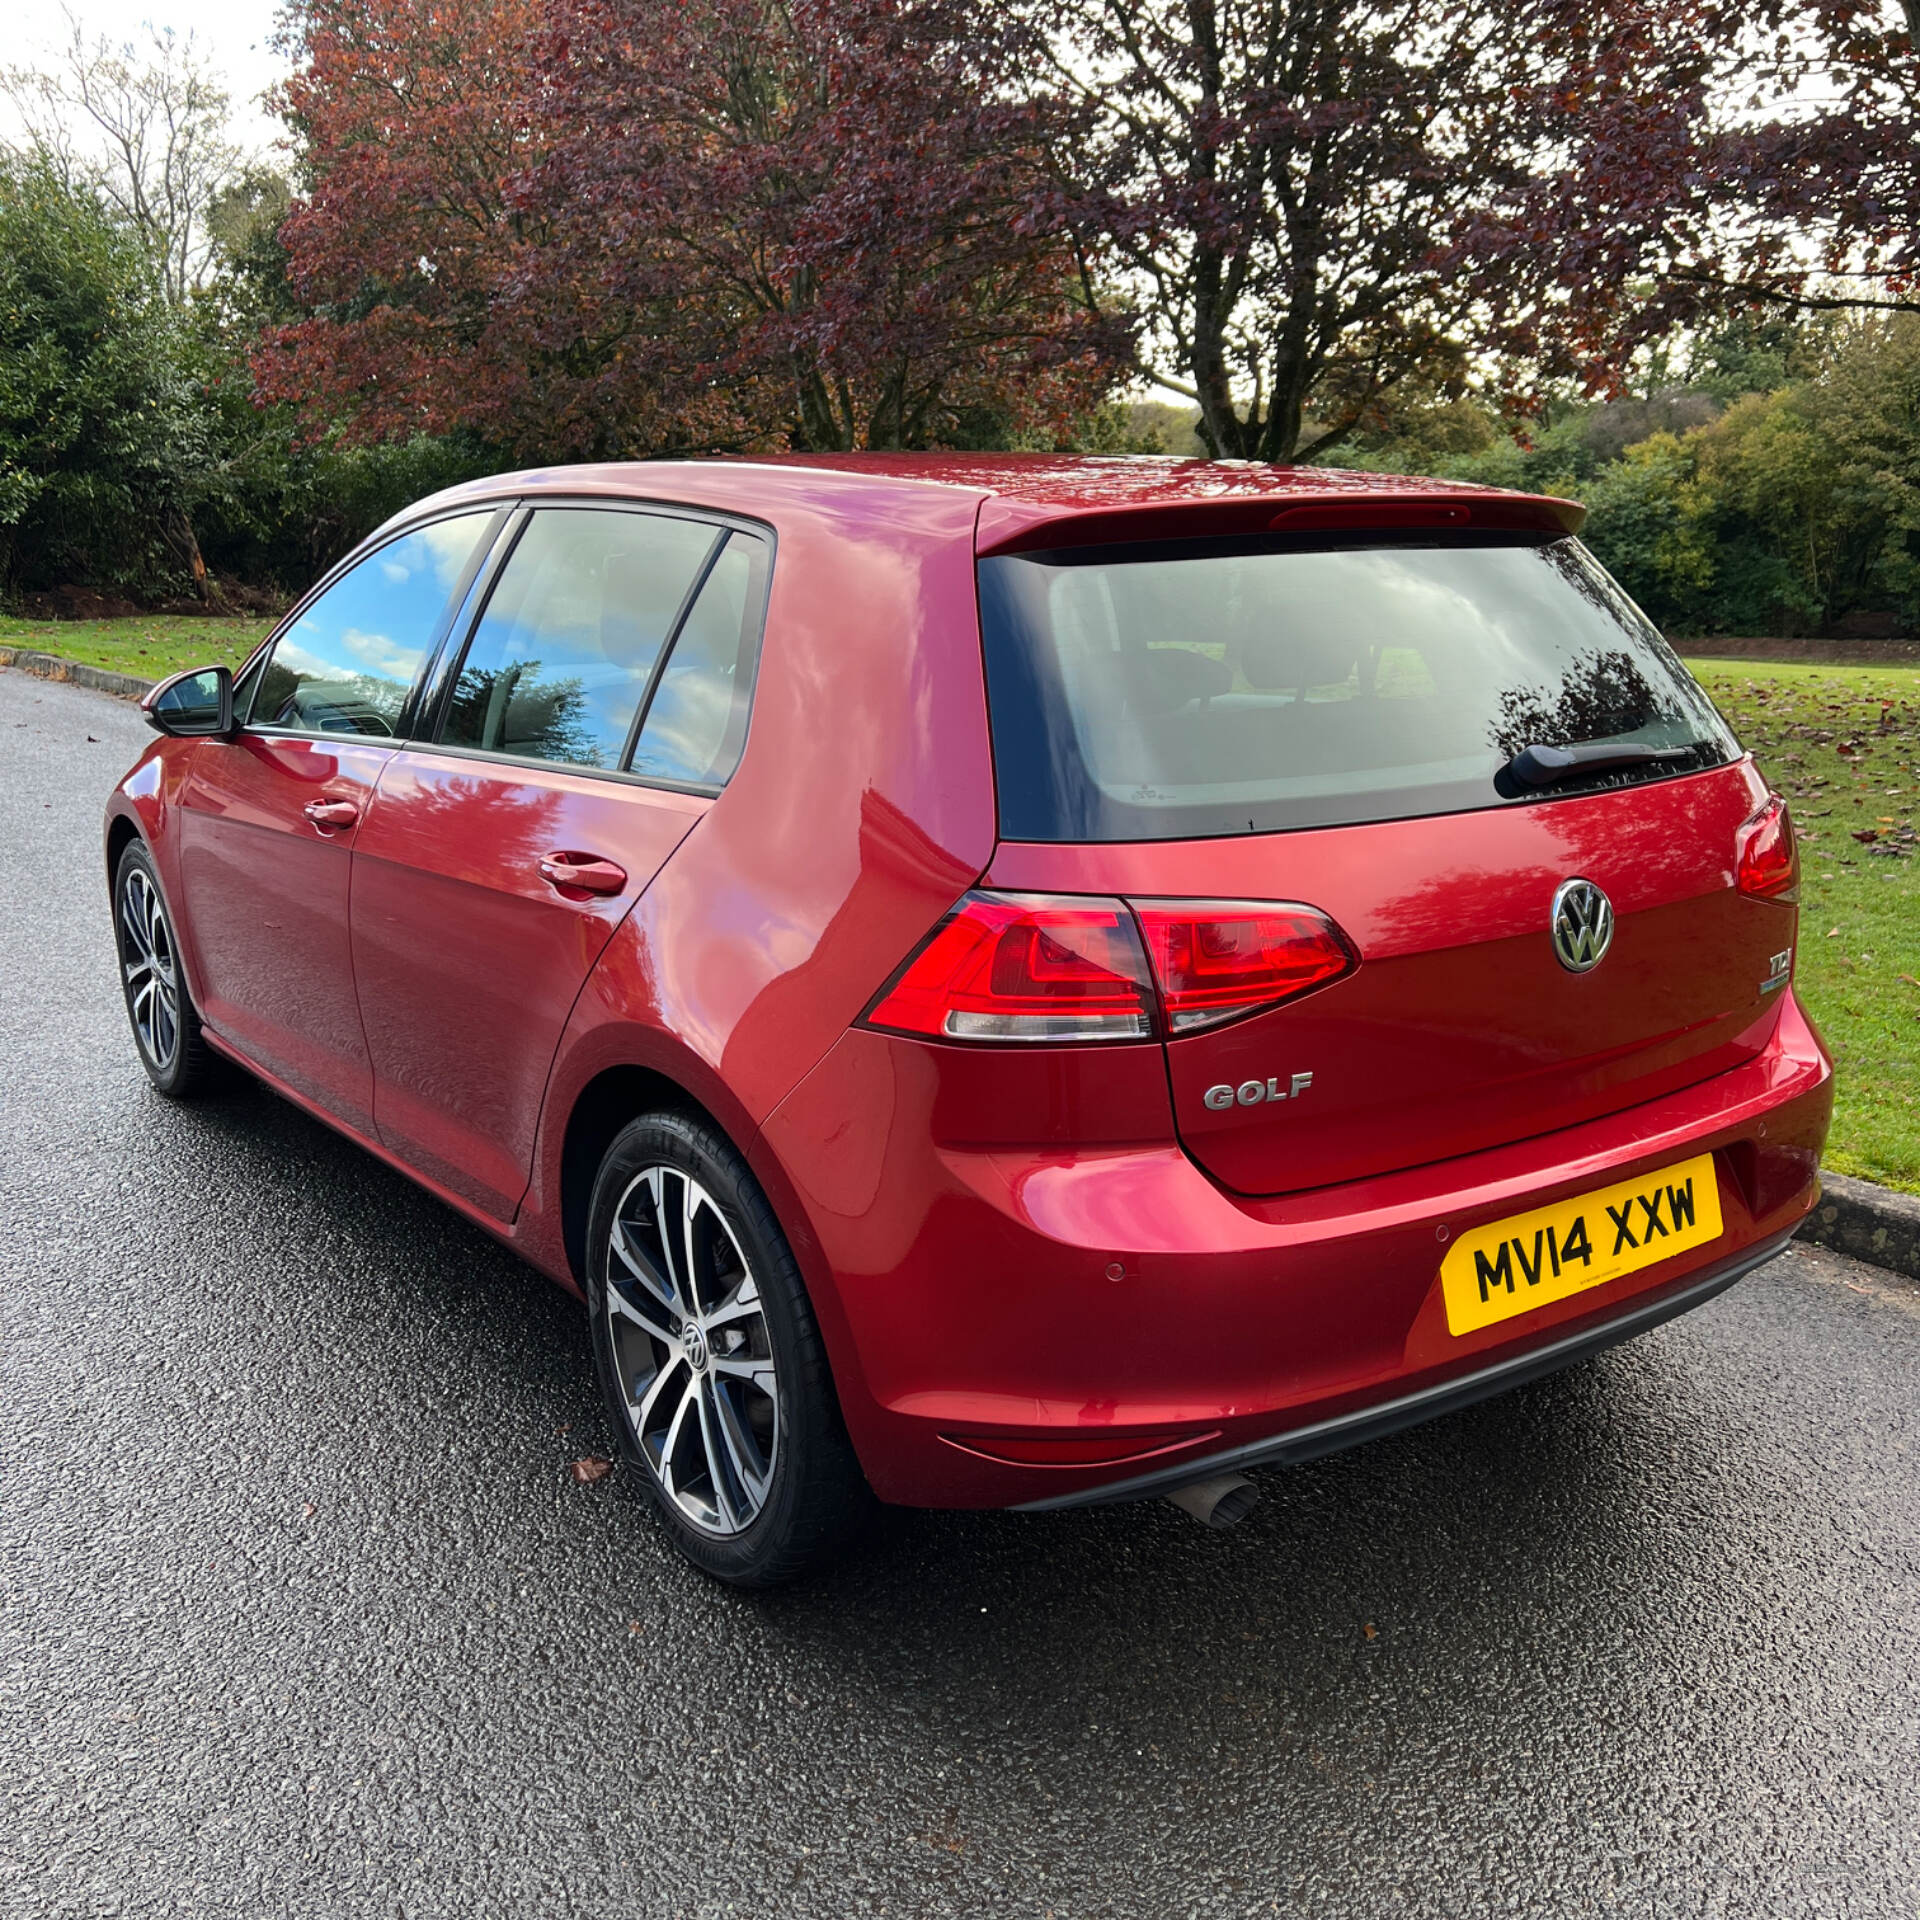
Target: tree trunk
{"x":180,"y":537}
{"x":821,"y":428}
{"x":1287,"y":411}
{"x":1221,"y":427}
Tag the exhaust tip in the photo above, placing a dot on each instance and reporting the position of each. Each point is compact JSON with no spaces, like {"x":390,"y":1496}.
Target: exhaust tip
{"x":1223,"y":1501}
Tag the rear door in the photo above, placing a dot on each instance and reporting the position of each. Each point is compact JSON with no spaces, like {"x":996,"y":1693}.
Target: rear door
{"x":504,"y":847}
{"x":1335,"y":725}
{"x":269,"y":819}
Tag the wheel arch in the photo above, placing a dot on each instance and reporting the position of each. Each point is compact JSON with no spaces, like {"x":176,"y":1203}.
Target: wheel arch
{"x":122,"y":829}
{"x":134,"y":820}
{"x":622,"y":1089}
{"x":606,"y":1103}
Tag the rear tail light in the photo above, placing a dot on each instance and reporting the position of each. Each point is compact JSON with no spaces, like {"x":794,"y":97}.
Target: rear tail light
{"x":1769,"y":861}
{"x":1006,"y":966}
{"x":1216,"y":960}
{"x":1054,"y":968}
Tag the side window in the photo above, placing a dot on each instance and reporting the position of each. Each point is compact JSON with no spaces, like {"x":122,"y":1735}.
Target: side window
{"x":564,"y":651}
{"x":347,"y":664}
{"x":696,"y":723}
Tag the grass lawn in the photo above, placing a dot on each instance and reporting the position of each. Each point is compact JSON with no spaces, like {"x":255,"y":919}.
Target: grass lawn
{"x":1843,"y":745}
{"x":151,"y":645}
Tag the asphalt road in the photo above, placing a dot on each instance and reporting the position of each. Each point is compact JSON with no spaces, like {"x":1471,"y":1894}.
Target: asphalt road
{"x":301,"y":1613}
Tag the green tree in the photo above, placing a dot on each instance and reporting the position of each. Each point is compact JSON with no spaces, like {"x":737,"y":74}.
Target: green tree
{"x":1767,"y":482}
{"x":102,"y":427}
{"x":1648,"y":529}
{"x":1758,"y":352}
{"x":1811,"y":495}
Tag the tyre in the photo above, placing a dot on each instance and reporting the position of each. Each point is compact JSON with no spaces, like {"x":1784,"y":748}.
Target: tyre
{"x":712,"y":1365}
{"x":160,"y":1009}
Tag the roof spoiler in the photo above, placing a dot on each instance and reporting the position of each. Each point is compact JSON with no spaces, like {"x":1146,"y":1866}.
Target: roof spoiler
{"x":1018,"y":526}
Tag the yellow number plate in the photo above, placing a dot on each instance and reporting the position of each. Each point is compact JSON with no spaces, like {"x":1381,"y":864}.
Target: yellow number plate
{"x":1513,"y":1266}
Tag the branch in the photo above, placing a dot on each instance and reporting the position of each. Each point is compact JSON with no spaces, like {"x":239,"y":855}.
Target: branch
{"x":1160,"y":380}
{"x":1808,"y":302}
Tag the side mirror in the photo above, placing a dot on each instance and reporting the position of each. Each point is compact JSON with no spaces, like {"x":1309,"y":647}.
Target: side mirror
{"x":191,"y":704}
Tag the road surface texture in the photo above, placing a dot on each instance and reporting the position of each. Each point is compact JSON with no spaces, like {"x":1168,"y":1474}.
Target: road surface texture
{"x":301,"y":1613}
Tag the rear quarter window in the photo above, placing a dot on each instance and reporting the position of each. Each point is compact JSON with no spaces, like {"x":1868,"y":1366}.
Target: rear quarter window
{"x":1212,"y":688}
{"x":697,"y":722}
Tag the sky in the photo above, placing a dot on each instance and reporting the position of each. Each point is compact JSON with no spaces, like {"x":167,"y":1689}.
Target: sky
{"x":237,"y":33}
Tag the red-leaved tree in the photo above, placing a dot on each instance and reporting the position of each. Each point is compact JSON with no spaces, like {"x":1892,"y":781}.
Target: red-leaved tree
{"x":621,"y":226}
{"x":838,"y":202}
{"x":1315,"y":202}
{"x":585,"y":227}
{"x":1706,"y":156}
{"x":413,"y":115}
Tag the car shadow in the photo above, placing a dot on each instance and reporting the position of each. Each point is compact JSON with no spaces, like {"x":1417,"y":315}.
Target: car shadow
{"x":1468,"y":1575}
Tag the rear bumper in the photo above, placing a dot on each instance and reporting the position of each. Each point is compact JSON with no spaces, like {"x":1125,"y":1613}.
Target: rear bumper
{"x":1301,"y":1444}
{"x":1055,"y":1326}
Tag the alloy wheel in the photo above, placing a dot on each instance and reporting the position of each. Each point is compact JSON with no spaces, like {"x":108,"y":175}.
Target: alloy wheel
{"x":149,"y":969}
{"x":687,"y":1326}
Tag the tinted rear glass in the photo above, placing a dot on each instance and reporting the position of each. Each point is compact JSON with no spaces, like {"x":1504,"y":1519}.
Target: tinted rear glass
{"x":1154,"y":693}
{"x":697,"y":723}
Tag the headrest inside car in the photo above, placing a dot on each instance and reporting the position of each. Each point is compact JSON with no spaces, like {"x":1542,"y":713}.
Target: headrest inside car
{"x":1272,"y":660}
{"x":1163,"y":678}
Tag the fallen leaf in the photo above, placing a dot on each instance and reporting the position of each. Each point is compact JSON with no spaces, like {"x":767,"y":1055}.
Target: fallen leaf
{"x":309,"y":1511}
{"x":1833,"y":933}
{"x":1370,"y":1631}
{"x":589,"y":1469}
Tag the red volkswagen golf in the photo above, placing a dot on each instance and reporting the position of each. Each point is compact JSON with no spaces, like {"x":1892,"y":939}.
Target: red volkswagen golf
{"x":1002,"y":982}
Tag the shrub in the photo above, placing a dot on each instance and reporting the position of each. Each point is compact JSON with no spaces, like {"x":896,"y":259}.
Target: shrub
{"x":101,"y":426}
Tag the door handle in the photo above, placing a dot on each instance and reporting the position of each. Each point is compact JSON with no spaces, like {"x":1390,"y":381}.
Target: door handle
{"x":582,"y":873}
{"x":331,"y":813}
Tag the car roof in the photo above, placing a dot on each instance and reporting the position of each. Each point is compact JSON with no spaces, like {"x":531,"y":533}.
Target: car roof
{"x":1028,"y":501}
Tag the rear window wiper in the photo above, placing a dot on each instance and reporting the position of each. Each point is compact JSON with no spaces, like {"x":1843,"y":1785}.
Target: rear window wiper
{"x":1541,"y":766}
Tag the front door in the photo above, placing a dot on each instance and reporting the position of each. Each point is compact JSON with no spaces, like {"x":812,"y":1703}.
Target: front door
{"x":497,"y":861}
{"x":270,"y":818}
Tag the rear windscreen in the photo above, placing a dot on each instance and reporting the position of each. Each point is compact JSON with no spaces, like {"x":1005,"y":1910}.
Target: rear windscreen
{"x":1205,"y":688}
